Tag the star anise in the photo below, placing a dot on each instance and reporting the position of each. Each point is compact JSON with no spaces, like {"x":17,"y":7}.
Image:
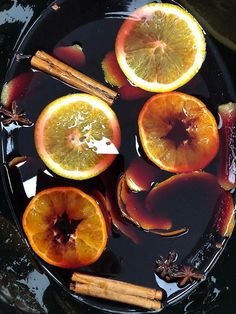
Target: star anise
{"x":14,"y":116}
{"x":188,"y":274}
{"x":166,"y":268}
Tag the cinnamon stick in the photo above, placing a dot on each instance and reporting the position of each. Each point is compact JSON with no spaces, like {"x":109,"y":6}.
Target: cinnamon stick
{"x":96,"y":291}
{"x":58,"y":69}
{"x":119,"y":286}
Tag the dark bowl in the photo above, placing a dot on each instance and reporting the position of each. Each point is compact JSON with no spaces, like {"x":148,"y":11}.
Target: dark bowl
{"x":213,"y":85}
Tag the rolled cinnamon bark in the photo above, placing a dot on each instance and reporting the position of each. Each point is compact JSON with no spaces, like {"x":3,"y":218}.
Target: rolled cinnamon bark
{"x":119,"y":286}
{"x":103,"y":293}
{"x":56,"y":68}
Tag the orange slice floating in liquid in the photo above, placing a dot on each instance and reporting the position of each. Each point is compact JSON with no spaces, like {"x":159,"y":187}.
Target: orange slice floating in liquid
{"x":65,"y":227}
{"x":77,"y":136}
{"x":160,"y":47}
{"x":178,"y":132}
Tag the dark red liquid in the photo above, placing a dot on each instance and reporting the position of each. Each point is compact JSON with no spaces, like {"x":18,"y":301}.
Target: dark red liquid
{"x":130,"y":253}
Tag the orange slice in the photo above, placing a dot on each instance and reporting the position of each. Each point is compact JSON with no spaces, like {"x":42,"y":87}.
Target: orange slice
{"x":178,"y":133}
{"x":77,"y":136}
{"x":112,"y":72}
{"x":160,"y":47}
{"x":65,"y":227}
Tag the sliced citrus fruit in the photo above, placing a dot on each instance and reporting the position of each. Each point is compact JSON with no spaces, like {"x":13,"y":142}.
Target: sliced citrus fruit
{"x":225,"y":218}
{"x":227,"y":132}
{"x":132,"y":206}
{"x":115,"y":77}
{"x":15,"y":89}
{"x":119,"y":221}
{"x":101,"y":200}
{"x":142,"y":176}
{"x":65,"y":227}
{"x":77,"y":136}
{"x":72,"y":55}
{"x":160,"y":47}
{"x":130,"y":92}
{"x":112,"y":72}
{"x":178,"y":133}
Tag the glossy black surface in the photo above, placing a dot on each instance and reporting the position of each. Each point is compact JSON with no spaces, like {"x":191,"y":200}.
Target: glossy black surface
{"x":209,"y":284}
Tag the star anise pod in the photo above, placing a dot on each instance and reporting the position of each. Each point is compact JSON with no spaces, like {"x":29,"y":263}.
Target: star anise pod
{"x":14,"y":116}
{"x":166,"y":268}
{"x":188,"y":274}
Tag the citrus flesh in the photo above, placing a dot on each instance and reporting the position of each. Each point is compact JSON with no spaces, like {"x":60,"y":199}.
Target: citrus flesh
{"x":178,"y":133}
{"x":77,"y":136}
{"x":112,"y":72}
{"x":65,"y":227}
{"x":160,"y":47}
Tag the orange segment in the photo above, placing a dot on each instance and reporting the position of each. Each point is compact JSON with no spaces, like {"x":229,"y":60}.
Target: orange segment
{"x":132,"y":206}
{"x":160,"y":47}
{"x":178,"y":133}
{"x":77,"y":136}
{"x":72,"y":55}
{"x":65,"y":227}
{"x":112,"y":72}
